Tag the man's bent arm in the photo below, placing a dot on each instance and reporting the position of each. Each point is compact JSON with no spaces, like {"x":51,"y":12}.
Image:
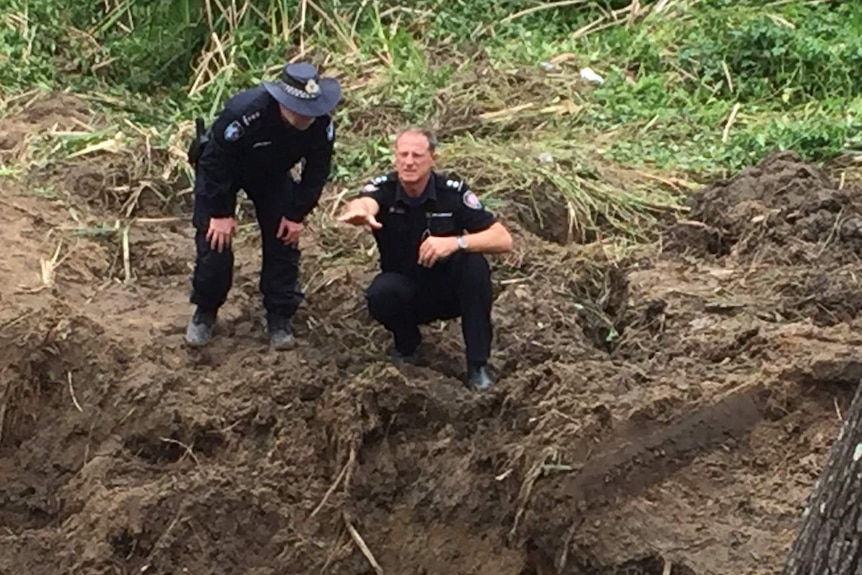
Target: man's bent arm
{"x":218,"y":167}
{"x":496,"y":239}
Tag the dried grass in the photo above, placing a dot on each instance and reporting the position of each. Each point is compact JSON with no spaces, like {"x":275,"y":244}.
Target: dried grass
{"x":508,"y":131}
{"x":592,"y":191}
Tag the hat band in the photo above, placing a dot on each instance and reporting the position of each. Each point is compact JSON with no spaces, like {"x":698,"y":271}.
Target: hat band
{"x":296,"y":92}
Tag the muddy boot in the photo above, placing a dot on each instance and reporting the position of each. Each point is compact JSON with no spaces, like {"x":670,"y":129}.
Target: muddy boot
{"x":410,"y":358}
{"x":200,"y":329}
{"x":280,"y":332}
{"x":478,"y":377}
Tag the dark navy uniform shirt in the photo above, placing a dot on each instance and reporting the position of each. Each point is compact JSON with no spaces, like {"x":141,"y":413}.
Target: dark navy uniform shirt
{"x":447,"y":207}
{"x":251,"y":147}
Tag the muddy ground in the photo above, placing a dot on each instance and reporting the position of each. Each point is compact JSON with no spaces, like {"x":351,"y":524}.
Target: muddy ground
{"x":665,"y":415}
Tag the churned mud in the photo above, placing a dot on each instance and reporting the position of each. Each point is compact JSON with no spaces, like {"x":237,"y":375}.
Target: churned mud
{"x":665,"y":415}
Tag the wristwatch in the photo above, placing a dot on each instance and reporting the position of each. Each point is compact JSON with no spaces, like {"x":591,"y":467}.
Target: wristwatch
{"x":462,"y":243}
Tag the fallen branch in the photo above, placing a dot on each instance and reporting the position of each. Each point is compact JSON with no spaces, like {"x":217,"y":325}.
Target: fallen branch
{"x":361,"y":544}
{"x":188,"y":449}
{"x":547,"y":6}
{"x":526,"y":489}
{"x":725,"y":135}
{"x":350,"y":461}
{"x":127,"y":262}
{"x":72,"y":392}
{"x":334,"y":551}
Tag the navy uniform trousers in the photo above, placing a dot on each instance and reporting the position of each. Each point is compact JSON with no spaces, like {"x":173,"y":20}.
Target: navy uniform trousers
{"x":458,"y":287}
{"x":279,"y":276}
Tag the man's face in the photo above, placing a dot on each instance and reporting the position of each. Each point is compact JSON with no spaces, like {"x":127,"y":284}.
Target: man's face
{"x":413,"y":158}
{"x":298,"y":121}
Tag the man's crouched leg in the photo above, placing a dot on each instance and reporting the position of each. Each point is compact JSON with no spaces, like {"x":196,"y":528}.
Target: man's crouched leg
{"x":211,"y":282}
{"x":390,"y":299}
{"x":475,"y":297}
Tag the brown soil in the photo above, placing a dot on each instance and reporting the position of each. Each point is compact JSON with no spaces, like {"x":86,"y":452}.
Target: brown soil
{"x":668,"y":415}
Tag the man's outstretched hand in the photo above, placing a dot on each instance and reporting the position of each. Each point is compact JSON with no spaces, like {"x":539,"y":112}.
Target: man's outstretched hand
{"x":289,"y":231}
{"x":220,"y":233}
{"x":359,"y":216}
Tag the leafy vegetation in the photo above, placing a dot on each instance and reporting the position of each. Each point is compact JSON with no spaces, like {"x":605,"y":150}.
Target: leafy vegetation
{"x":697,"y":89}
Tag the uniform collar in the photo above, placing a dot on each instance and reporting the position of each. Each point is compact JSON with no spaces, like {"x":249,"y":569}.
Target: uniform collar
{"x":429,"y":193}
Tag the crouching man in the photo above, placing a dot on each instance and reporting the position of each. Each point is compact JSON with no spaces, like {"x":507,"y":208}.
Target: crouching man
{"x":431,"y":233}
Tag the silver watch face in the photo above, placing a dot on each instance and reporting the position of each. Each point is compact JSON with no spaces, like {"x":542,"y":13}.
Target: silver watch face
{"x":462,"y":243}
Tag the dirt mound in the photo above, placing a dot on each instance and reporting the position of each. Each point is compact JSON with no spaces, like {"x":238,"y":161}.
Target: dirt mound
{"x":781,"y":210}
{"x":797,"y":230}
{"x":37,"y":116}
{"x":106,"y":170}
{"x":651,"y":416}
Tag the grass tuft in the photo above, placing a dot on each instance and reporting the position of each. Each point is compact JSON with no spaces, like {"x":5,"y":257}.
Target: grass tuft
{"x":559,"y":185}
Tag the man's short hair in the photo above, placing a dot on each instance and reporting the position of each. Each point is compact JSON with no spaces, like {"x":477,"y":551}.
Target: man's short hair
{"x":429,"y":135}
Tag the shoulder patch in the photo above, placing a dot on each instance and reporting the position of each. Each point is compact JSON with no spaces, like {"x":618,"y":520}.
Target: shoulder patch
{"x":471,"y":200}
{"x":369,"y":188}
{"x":233,"y":132}
{"x":380,"y":179}
{"x":330,"y":131}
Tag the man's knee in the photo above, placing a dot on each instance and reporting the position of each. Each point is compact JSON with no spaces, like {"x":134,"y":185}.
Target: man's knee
{"x":388,"y":293}
{"x":212,"y":277}
{"x":207,"y":256}
{"x":212,"y":262}
{"x":474,"y":269}
{"x":281,"y":260}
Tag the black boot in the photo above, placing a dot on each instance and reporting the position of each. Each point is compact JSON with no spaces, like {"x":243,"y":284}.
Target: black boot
{"x":280,"y":332}
{"x":200,"y":329}
{"x":405,"y":345}
{"x":411,"y":358}
{"x":478,"y":377}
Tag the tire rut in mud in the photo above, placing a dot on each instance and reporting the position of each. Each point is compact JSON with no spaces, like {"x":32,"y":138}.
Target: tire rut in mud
{"x":625,"y":467}
{"x":656,"y":453}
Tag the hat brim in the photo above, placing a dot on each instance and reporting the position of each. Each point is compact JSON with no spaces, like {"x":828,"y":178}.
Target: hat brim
{"x":330,"y":95}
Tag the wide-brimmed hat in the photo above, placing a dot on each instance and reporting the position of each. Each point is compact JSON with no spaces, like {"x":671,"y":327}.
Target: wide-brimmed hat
{"x":301,"y":89}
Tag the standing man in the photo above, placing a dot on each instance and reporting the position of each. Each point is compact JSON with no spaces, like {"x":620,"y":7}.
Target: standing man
{"x":430,"y":268}
{"x":254,"y":142}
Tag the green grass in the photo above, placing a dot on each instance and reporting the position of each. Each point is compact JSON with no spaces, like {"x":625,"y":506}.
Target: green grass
{"x":786,"y":72}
